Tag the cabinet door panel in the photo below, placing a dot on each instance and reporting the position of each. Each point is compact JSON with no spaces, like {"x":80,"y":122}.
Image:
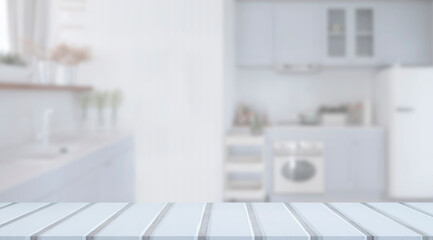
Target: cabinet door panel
{"x":404,"y":32}
{"x":338,"y":34}
{"x":337,"y":167}
{"x":350,"y":34}
{"x":368,"y":167}
{"x":87,"y":188}
{"x":254,"y":33}
{"x":365,"y":34}
{"x":297,"y":33}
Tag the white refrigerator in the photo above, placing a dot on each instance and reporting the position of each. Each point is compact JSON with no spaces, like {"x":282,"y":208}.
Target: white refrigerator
{"x":405,"y":108}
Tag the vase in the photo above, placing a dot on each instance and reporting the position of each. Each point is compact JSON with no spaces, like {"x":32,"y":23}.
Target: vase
{"x":44,"y":71}
{"x":66,"y":74}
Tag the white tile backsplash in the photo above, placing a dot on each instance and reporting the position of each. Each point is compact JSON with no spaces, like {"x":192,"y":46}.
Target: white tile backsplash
{"x":280,"y":95}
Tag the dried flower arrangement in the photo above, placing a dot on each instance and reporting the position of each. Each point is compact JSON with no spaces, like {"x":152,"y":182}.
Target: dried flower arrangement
{"x":62,"y":53}
{"x":30,"y":48}
{"x":68,"y":55}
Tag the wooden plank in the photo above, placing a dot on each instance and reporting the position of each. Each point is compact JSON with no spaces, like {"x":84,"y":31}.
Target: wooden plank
{"x":257,"y":231}
{"x":278,"y":223}
{"x":230,"y":221}
{"x":202,"y":234}
{"x":326,"y":223}
{"x":426,"y":208}
{"x":147,"y":235}
{"x":416,"y":220}
{"x":182,"y":221}
{"x":132,"y":223}
{"x":15,"y":211}
{"x":46,"y":87}
{"x":374,"y":222}
{"x":82,"y":224}
{"x":25,"y":227}
{"x":222,"y":221}
{"x":4,"y":204}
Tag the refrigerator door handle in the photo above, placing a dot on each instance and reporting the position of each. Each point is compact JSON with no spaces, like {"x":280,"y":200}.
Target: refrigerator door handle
{"x":404,"y":110}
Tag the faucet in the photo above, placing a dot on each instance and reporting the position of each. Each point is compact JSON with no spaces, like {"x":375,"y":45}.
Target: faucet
{"x":44,"y":134}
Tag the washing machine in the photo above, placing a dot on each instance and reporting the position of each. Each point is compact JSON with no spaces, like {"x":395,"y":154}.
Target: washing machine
{"x":298,"y":167}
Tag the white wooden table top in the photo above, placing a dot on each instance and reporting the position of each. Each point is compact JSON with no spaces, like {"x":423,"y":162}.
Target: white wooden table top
{"x":222,"y":221}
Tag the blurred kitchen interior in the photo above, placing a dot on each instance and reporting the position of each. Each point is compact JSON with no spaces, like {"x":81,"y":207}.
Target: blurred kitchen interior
{"x":216,"y":100}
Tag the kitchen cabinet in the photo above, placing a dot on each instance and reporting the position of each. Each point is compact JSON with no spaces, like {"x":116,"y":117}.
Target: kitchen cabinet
{"x":101,"y":172}
{"x":404,"y":31}
{"x":88,"y":187}
{"x":338,"y":174}
{"x":368,"y":165}
{"x":111,"y":180}
{"x":296,"y":32}
{"x":244,"y":168}
{"x":350,"y":34}
{"x":333,"y":33}
{"x":378,"y":33}
{"x":254,"y":33}
{"x":116,"y":178}
{"x":353,"y":161}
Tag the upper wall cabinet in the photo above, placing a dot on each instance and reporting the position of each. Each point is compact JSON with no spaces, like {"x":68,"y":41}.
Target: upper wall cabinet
{"x":350,"y":34}
{"x":339,"y":33}
{"x":404,"y":32}
{"x":254,"y":33}
{"x":297,"y":33}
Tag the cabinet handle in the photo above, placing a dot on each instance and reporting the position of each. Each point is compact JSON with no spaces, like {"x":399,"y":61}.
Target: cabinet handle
{"x":404,"y":110}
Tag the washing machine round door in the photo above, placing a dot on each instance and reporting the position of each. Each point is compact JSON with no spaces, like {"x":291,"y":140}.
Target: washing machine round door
{"x":298,"y":170}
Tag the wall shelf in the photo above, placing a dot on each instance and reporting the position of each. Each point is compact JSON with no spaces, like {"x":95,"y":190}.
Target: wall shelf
{"x":244,"y":174}
{"x":44,"y":87}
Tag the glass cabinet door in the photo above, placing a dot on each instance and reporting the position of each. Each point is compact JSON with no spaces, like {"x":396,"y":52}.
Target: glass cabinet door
{"x":364,"y":32}
{"x":337,"y":32}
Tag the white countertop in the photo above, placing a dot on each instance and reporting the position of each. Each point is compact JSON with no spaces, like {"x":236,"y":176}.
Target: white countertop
{"x":222,"y":221}
{"x":246,"y":130}
{"x":322,"y":127}
{"x":23,"y":163}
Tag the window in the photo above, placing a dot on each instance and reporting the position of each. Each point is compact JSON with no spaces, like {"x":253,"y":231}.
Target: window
{"x":4,"y":27}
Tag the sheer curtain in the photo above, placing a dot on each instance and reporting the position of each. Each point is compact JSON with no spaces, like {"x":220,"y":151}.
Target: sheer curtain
{"x":28,"y":21}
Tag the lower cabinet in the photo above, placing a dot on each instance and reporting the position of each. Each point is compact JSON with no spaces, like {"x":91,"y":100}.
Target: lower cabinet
{"x":368,"y":169}
{"x":105,"y":173}
{"x":355,"y":164}
{"x":338,"y":164}
{"x":87,"y":188}
{"x":110,"y":181}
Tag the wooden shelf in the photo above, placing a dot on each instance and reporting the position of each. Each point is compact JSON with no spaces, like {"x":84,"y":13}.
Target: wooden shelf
{"x":44,"y":87}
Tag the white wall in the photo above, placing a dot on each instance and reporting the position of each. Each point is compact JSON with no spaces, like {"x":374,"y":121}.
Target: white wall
{"x":167,"y":57}
{"x":181,"y":110}
{"x":281,"y":95}
{"x":21,"y":114}
{"x":229,"y":64}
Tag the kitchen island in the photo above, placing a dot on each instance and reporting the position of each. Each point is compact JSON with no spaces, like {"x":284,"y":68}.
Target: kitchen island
{"x":222,"y":221}
{"x":83,"y":167}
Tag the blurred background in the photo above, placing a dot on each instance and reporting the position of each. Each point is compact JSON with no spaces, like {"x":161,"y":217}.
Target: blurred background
{"x":216,"y":100}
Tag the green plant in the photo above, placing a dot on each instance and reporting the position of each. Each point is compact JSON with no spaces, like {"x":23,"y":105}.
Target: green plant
{"x":12,"y":59}
{"x":101,"y":99}
{"x":116,"y":98}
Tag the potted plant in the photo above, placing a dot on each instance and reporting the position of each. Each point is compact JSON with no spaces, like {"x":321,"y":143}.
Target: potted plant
{"x":67,"y":59}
